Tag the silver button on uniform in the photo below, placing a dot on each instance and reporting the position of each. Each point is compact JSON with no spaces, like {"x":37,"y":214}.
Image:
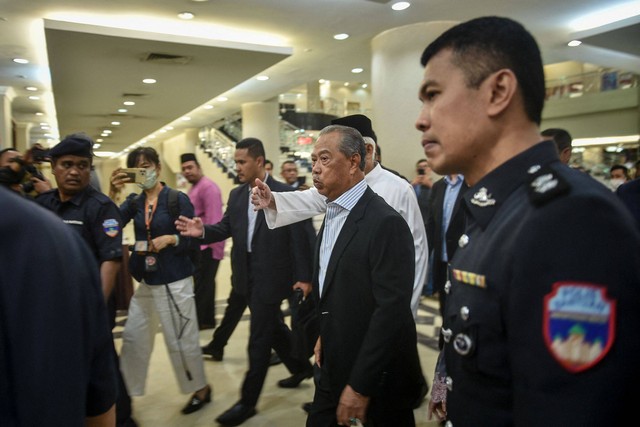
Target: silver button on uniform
{"x":447,"y":287}
{"x":463,"y":241}
{"x":446,"y":335}
{"x":448,"y":424}
{"x":462,"y":344}
{"x":449,"y":382}
{"x":464,"y":312}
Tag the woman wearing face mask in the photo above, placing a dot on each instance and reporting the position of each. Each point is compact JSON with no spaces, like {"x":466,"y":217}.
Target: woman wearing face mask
{"x":161,"y":264}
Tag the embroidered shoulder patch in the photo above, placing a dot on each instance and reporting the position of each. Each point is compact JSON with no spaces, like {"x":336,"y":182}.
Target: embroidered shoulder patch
{"x":111,"y":227}
{"x":578,"y":324}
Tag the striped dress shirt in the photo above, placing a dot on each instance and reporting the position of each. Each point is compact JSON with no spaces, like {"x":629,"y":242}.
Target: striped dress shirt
{"x":336,"y":216}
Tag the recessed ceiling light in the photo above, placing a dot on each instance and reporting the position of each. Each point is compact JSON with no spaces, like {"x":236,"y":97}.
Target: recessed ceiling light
{"x":341,"y":36}
{"x":162,"y":131}
{"x":357,"y":70}
{"x":115,"y":123}
{"x":401,"y":5}
{"x":186,"y":15}
{"x":104,"y":134}
{"x":122,"y":110}
{"x":364,"y":86}
{"x":151,"y":136}
{"x":129,"y":103}
{"x":107,"y":131}
{"x":208,"y":107}
{"x":169,"y":128}
{"x":574,"y":43}
{"x":39,"y":113}
{"x":96,"y":146}
{"x":34,"y":98}
{"x":346,"y":83}
{"x":20,"y":61}
{"x":186,"y":118}
{"x":222,"y":98}
{"x":321,"y":81}
{"x":31,"y":88}
{"x":262,"y":78}
{"x":149,"y":81}
{"x":99,"y":140}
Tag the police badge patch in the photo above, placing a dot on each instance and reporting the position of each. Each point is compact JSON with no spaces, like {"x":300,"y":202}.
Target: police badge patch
{"x":579,"y":324}
{"x":111,"y":227}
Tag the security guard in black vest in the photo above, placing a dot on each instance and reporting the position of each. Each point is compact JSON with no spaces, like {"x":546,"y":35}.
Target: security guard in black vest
{"x":95,"y":217}
{"x":541,"y":319}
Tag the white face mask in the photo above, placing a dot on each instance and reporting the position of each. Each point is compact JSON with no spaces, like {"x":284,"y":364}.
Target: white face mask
{"x":615,"y":183}
{"x":150,"y":180}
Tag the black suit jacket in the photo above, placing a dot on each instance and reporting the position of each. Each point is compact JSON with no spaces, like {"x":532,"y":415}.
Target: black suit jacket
{"x":279,"y":257}
{"x":366,"y":326}
{"x":434,"y":231}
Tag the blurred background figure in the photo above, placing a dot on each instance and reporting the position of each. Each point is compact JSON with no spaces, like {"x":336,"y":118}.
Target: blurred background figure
{"x":618,"y":175}
{"x":563,"y":140}
{"x":289,"y":172}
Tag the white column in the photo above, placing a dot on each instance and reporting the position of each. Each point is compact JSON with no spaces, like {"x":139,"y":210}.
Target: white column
{"x":396,"y":74}
{"x":262,"y":120}
{"x":23,"y":136}
{"x":6,"y":131}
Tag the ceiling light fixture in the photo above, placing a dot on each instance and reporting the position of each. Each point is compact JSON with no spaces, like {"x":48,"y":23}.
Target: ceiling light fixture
{"x":99,"y":140}
{"x":346,"y":84}
{"x":606,"y":16}
{"x":341,"y":36}
{"x":222,"y":98}
{"x":574,"y":43}
{"x":39,"y":113}
{"x":115,"y":123}
{"x":122,"y":110}
{"x":186,"y":118}
{"x":129,"y":103}
{"x":169,"y":128}
{"x":357,"y":70}
{"x":31,"y":88}
{"x":34,"y":98}
{"x":208,"y":107}
{"x":20,"y":61}
{"x":364,"y":86}
{"x":186,"y":15}
{"x":149,"y":81}
{"x":401,"y":5}
{"x":262,"y":78}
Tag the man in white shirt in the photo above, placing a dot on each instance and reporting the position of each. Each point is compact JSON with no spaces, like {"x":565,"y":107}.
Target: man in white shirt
{"x":289,"y":207}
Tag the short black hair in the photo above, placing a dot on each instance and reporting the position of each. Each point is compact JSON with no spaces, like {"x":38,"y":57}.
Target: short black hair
{"x":485,"y":45}
{"x":561,"y":137}
{"x":623,"y":168}
{"x":148,"y":153}
{"x":254,"y":147}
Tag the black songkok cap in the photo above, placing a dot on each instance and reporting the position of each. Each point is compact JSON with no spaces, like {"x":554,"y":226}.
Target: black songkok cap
{"x":187,"y":157}
{"x":77,"y":144}
{"x":359,"y":122}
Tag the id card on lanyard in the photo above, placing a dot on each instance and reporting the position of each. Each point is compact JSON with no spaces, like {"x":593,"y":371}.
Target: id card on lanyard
{"x":151,"y":257}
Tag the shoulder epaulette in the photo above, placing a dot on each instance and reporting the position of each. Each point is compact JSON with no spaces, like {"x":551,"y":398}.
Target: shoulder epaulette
{"x":545,"y":185}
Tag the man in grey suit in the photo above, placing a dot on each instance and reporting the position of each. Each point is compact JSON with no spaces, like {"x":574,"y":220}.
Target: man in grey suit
{"x":363,"y":279}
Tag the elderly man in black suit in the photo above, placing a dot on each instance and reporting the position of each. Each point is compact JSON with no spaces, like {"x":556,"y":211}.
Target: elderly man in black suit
{"x":363,"y":279}
{"x":267,"y":265}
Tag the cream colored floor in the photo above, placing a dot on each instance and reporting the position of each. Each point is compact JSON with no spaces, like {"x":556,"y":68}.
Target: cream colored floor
{"x":277,"y":407}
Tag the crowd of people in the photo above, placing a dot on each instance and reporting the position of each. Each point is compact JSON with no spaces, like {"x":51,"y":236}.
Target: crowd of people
{"x":535,"y":266}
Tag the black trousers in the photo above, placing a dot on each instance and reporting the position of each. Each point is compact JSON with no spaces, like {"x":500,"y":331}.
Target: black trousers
{"x":323,"y":410}
{"x":236,"y":305}
{"x":204,"y":289}
{"x":267,"y":331}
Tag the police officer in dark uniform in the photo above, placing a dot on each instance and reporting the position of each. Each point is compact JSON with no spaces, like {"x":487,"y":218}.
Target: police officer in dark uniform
{"x":95,"y":217}
{"x":541,"y":319}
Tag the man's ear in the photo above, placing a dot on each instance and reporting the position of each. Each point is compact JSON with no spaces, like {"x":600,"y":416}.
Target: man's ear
{"x":355,"y":162}
{"x":502,"y":86}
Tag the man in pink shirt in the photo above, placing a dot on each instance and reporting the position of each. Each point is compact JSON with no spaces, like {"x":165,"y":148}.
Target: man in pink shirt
{"x":206,"y":198}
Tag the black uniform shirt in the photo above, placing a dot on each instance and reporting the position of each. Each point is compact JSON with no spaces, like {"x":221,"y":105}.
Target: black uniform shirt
{"x":541,"y":320}
{"x":94,"y":216}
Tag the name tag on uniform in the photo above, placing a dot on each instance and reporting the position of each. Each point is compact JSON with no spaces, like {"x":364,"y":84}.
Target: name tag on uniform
{"x":141,"y":246}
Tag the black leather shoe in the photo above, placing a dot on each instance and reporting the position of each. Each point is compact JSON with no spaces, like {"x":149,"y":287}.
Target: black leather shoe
{"x":307,"y":407}
{"x":216,"y":354}
{"x":195,"y":403}
{"x":294,"y":380}
{"x":236,"y":415}
{"x":275,"y":359}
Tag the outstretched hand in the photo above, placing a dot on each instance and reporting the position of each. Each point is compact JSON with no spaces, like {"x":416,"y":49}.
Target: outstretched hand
{"x":261,"y":196}
{"x":189,"y":227}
